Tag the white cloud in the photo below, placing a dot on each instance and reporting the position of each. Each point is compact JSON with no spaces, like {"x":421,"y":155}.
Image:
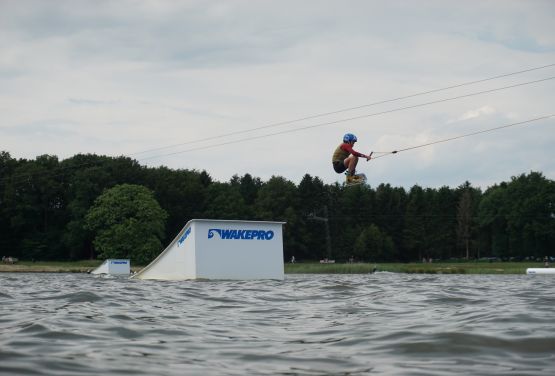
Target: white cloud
{"x":472,"y":114}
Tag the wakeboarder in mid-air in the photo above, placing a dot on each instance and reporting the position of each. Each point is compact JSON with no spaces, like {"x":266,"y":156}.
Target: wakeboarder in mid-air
{"x":345,"y":159}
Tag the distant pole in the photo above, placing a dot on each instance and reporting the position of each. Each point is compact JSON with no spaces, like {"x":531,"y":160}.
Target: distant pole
{"x":325,"y":219}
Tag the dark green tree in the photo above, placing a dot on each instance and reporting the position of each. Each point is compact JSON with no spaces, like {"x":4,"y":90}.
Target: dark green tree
{"x":414,"y":233}
{"x":353,"y":211}
{"x":85,"y":177}
{"x":530,"y":224}
{"x":7,"y":239}
{"x":518,"y":217}
{"x":314,"y":220}
{"x":464,"y":221}
{"x":441,"y":222}
{"x":373,"y":245}
{"x":181,"y":193}
{"x":277,"y":200}
{"x":389,"y":211}
{"x":249,"y":186}
{"x":492,"y":219}
{"x":224,"y":201}
{"x":467,"y":229}
{"x":127,"y":222}
{"x":35,"y":206}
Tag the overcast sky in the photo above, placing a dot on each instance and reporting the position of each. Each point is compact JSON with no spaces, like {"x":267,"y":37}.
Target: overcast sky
{"x":206,"y":83}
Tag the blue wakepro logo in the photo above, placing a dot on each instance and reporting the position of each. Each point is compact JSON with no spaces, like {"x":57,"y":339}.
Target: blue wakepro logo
{"x":118,"y":262}
{"x":230,"y":234}
{"x":183,"y":237}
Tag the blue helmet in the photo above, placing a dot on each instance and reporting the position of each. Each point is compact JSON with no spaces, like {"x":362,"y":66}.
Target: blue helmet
{"x":349,"y":137}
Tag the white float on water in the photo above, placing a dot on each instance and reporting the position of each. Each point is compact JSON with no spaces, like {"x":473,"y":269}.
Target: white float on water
{"x":540,"y":271}
{"x":113,"y":266}
{"x":221,"y":249}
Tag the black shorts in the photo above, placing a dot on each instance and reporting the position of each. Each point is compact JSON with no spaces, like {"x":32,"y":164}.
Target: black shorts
{"x":339,"y":166}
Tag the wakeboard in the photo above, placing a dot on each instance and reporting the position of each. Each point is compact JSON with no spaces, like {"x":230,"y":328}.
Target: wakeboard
{"x":360,"y":181}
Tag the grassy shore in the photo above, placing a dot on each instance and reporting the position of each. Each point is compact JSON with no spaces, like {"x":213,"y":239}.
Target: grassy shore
{"x":428,"y":268}
{"x":83,"y":266}
{"x":309,"y":268}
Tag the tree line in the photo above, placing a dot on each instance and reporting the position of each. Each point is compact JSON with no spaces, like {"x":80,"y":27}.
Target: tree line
{"x":91,"y":206}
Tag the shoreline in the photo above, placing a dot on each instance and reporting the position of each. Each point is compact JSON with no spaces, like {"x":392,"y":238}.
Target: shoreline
{"x":54,"y":267}
{"x":460,"y":267}
{"x":310,"y":268}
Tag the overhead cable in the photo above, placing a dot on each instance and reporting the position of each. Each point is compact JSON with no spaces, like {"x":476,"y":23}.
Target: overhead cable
{"x":464,"y":135}
{"x":310,"y":117}
{"x":343,"y":120}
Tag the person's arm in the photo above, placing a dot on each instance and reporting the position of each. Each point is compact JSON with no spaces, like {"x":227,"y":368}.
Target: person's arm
{"x":349,"y":148}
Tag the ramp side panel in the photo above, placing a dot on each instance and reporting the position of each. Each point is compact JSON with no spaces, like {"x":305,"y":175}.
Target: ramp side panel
{"x":177,"y":261}
{"x":239,"y":250}
{"x":114,"y":267}
{"x":119,"y":266}
{"x":540,"y":271}
{"x":101,"y":269}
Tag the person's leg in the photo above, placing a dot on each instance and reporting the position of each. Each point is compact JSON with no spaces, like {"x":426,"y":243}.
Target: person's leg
{"x":339,"y":167}
{"x":351,"y":164}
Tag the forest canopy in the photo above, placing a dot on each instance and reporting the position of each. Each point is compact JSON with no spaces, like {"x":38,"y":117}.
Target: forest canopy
{"x":49,"y":211}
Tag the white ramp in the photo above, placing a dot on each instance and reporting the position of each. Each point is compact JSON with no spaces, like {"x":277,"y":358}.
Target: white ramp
{"x":221,"y":249}
{"x":540,"y":271}
{"x":113,"y":267}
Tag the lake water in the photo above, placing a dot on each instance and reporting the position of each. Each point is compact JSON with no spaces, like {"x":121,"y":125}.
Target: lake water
{"x":377,"y":324}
